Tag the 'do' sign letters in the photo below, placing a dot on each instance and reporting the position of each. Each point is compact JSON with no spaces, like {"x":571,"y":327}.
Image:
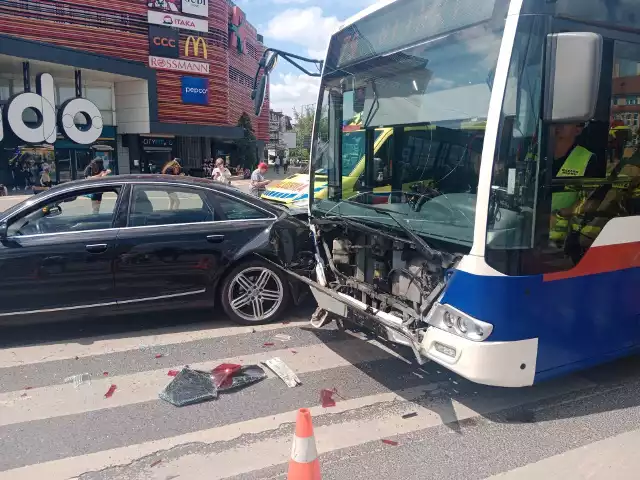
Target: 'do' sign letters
{"x":46,"y":127}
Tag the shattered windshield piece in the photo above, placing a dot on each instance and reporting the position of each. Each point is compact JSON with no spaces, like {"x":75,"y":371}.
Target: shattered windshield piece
{"x":189,"y":387}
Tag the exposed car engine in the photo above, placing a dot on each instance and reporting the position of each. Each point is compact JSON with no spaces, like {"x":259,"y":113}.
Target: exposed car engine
{"x":388,"y":282}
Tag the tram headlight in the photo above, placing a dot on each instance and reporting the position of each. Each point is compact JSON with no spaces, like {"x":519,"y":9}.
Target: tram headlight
{"x":447,"y":319}
{"x":452,"y":320}
{"x":461,"y":324}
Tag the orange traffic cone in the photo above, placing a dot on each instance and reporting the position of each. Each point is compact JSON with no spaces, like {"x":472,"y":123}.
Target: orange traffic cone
{"x":304,"y":464}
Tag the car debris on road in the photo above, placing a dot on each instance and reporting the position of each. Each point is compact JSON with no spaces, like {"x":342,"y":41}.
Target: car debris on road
{"x":190,"y":386}
{"x":282,"y":370}
{"x":78,"y":380}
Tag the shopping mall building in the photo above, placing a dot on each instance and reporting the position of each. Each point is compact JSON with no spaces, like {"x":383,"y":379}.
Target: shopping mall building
{"x":135,"y":82}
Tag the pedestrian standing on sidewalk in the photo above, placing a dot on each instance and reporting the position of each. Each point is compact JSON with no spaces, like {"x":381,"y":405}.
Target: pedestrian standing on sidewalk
{"x":173,"y":168}
{"x":221,"y":173}
{"x":96,"y":169}
{"x":258,"y":182}
{"x":277,"y":164}
{"x":285,"y":165}
{"x":45,"y":177}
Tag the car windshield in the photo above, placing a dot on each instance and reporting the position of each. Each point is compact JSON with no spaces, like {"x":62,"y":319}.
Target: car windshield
{"x":403,"y":132}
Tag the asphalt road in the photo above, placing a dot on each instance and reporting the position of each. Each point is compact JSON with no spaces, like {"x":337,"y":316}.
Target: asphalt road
{"x":578,"y":427}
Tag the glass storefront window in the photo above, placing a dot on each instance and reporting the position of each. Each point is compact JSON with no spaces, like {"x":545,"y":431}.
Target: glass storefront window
{"x":65,"y":93}
{"x":107,"y":117}
{"x":63,"y":165}
{"x":102,"y":97}
{"x":5,"y":89}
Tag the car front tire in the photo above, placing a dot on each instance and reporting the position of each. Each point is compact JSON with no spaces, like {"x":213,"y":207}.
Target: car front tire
{"x":255,"y":292}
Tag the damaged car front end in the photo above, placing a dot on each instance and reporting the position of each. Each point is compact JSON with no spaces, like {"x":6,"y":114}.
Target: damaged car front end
{"x":390,"y":284}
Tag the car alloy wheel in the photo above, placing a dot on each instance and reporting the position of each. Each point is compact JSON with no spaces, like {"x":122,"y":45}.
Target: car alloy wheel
{"x":255,"y":294}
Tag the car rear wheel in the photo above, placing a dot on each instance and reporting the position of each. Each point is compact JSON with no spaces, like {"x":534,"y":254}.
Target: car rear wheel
{"x":255,"y":293}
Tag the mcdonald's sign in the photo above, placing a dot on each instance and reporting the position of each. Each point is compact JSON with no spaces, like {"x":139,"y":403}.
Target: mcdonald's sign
{"x":195,"y":43}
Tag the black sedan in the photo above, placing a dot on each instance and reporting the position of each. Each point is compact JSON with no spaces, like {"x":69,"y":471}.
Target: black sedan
{"x":148,"y":243}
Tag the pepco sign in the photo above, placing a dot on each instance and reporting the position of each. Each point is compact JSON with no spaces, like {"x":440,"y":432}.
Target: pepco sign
{"x":195,"y":90}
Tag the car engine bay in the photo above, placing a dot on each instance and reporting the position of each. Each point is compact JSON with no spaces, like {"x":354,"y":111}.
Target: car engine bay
{"x":383,"y":283}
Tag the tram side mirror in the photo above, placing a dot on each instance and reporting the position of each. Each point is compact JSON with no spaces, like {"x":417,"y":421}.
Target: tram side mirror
{"x":258,"y":95}
{"x":574,"y":62}
{"x":267,"y":63}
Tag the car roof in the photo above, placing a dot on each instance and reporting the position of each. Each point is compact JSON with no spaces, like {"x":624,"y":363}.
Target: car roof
{"x":148,"y":178}
{"x":141,"y":179}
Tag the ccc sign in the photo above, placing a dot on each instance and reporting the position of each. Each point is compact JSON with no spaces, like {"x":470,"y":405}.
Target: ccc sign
{"x":164,"y":42}
{"x":195,"y":44}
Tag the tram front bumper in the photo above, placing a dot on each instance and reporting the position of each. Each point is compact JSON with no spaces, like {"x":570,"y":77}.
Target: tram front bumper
{"x":501,"y":364}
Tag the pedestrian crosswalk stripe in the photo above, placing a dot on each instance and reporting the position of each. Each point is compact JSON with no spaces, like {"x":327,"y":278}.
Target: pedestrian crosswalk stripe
{"x":65,"y":399}
{"x":49,"y":352}
{"x":262,"y":453}
{"x":615,"y":458}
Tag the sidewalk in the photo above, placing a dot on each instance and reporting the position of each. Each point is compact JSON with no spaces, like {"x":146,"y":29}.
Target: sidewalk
{"x":11,"y":200}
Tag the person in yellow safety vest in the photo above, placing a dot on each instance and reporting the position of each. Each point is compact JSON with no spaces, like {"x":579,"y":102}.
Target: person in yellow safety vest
{"x":619,"y":136}
{"x":605,"y":203}
{"x":570,"y":161}
{"x":355,"y":123}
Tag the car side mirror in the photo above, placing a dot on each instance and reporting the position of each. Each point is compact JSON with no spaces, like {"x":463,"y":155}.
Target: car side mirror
{"x":4,"y":231}
{"x":574,"y":64}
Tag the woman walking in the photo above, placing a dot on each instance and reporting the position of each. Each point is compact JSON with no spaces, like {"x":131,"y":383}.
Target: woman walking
{"x":96,"y":169}
{"x":173,"y":168}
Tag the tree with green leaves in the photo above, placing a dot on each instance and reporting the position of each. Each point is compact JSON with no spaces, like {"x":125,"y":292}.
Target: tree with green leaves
{"x":304,"y":121}
{"x":247,"y":145}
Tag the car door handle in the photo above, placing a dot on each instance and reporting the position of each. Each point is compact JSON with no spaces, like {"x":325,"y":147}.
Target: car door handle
{"x":215,"y":238}
{"x":97,"y":248}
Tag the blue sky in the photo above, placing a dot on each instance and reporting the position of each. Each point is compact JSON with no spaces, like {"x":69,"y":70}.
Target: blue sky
{"x":302,"y":27}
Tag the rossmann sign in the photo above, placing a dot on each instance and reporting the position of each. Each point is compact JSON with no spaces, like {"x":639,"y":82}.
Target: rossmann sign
{"x":178,"y":65}
{"x":50,"y":122}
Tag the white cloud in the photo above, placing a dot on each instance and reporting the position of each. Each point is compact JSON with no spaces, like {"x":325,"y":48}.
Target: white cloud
{"x":289,"y":1}
{"x":307,"y":27}
{"x":293,"y":91}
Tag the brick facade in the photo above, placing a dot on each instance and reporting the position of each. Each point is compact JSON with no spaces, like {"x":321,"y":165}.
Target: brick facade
{"x":119,"y":28}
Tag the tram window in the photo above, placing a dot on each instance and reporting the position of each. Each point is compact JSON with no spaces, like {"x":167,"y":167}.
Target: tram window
{"x":604,"y":183}
{"x":592,"y":175}
{"x":383,"y":163}
{"x":419,"y":153}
